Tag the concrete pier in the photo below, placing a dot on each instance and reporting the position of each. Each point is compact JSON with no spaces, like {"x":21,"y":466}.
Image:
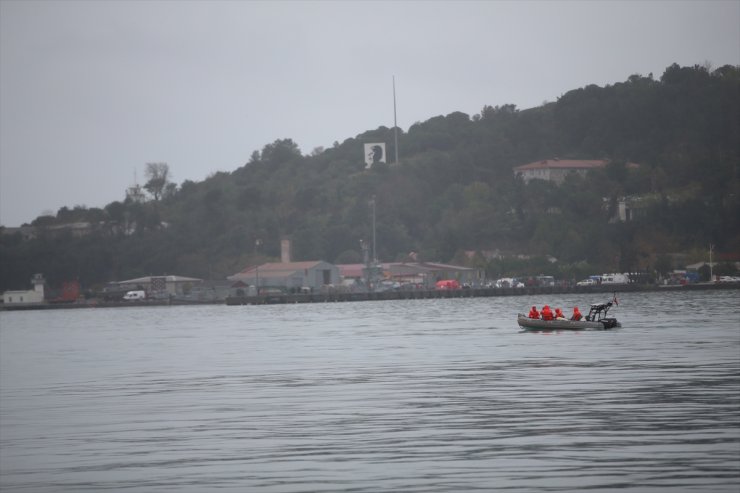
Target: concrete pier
{"x":464,"y":293}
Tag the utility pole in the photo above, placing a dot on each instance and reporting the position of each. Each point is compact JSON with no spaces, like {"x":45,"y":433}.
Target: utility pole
{"x":373,"y":267}
{"x":257,"y":244}
{"x":366,"y":261}
{"x":375,"y":257}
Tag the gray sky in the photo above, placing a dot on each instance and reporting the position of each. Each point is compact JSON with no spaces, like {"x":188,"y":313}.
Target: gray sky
{"x":92,"y":90}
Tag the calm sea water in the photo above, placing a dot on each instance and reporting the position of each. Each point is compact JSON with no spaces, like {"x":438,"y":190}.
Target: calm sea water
{"x":414,"y":396}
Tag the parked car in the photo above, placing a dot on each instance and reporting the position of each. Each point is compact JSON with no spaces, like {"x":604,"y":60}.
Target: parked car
{"x":729,"y":279}
{"x":447,"y":284}
{"x":509,"y":282}
{"x":586,"y":282}
{"x":134,"y":295}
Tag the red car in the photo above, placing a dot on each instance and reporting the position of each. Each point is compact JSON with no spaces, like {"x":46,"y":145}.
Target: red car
{"x":447,"y":284}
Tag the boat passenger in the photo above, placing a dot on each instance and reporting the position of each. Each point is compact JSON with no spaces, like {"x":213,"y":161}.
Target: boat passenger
{"x":533,"y":313}
{"x":559,"y":313}
{"x":547,"y":313}
{"x":576,"y":314}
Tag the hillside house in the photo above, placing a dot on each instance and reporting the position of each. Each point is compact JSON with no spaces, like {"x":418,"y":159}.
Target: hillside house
{"x":555,"y":170}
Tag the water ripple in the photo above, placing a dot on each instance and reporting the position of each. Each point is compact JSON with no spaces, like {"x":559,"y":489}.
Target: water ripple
{"x":417,"y":396}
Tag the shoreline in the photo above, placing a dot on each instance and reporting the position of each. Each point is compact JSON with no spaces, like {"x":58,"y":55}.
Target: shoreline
{"x":469,"y":293}
{"x":274,"y":299}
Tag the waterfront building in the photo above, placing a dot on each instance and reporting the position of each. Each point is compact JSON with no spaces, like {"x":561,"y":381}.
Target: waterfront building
{"x":29,"y":297}
{"x":160,"y":286}
{"x":286,"y":276}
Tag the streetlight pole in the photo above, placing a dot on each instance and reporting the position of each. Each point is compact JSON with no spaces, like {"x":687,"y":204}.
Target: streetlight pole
{"x":366,"y":262}
{"x":711,"y":272}
{"x":257,"y":244}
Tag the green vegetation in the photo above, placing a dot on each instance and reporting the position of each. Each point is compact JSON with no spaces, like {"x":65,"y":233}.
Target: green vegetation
{"x":452,"y":191}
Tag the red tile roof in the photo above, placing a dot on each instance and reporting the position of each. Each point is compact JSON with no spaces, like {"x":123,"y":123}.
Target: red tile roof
{"x":568,"y":164}
{"x":564,"y":164}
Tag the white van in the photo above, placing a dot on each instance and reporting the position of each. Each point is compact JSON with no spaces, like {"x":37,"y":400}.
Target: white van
{"x":134,"y":295}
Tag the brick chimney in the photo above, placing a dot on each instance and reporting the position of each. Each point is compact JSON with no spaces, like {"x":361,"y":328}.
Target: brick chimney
{"x":285,"y":250}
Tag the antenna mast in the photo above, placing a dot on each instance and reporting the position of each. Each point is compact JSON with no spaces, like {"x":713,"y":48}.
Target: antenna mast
{"x":395,"y":124}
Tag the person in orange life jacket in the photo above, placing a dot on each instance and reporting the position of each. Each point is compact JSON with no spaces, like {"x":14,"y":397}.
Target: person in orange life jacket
{"x":559,"y":313}
{"x":533,"y":313}
{"x":576,"y":314}
{"x":546,"y":313}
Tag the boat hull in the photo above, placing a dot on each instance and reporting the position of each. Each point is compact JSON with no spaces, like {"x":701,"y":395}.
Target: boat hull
{"x":527,"y":323}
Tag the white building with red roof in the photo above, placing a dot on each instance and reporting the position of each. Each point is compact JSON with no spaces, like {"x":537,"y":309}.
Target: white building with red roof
{"x":555,"y":170}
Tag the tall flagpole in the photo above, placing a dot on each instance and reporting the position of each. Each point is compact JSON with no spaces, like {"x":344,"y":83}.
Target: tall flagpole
{"x":395,"y":124}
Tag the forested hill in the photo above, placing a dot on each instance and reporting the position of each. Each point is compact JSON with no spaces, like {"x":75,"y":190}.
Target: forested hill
{"x":453,"y":190}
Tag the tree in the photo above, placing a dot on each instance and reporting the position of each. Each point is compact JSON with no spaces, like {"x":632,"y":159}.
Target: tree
{"x":454,"y":190}
{"x":663,"y":265}
{"x":158,"y":175}
{"x":281,"y":151}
